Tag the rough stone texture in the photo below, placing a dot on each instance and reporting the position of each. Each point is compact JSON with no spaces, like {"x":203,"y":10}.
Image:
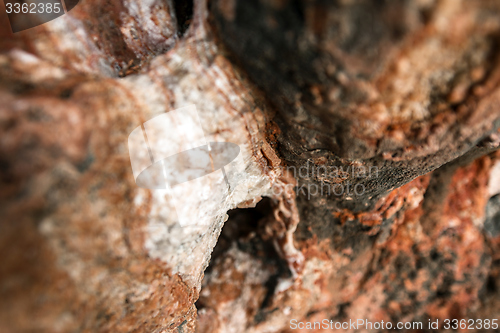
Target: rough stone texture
{"x":410,"y":89}
{"x":405,"y":86}
{"x":87,"y":249}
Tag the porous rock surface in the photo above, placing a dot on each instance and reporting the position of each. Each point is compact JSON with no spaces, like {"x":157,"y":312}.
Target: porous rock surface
{"x":405,"y":93}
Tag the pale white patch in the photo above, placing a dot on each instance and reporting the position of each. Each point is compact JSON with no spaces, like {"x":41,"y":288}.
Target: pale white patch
{"x":494,"y":183}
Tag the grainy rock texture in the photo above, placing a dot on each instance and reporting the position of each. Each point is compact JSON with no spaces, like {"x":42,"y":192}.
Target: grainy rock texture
{"x":395,"y":103}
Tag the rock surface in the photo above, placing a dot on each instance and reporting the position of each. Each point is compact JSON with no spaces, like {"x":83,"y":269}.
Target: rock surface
{"x":395,"y":104}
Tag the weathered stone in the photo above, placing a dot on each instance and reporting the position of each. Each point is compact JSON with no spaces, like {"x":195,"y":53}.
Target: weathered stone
{"x":400,"y":98}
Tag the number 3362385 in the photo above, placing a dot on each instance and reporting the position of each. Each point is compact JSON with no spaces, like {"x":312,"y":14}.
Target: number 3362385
{"x":471,"y":324}
{"x":33,"y":8}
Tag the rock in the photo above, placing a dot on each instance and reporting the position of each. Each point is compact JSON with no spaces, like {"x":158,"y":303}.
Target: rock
{"x":365,"y":186}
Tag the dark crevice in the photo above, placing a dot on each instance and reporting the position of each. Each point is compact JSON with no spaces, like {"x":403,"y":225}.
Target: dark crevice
{"x":491,"y":286}
{"x":243,"y":230}
{"x":492,"y":217}
{"x":240,"y":224}
{"x":184,"y":15}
